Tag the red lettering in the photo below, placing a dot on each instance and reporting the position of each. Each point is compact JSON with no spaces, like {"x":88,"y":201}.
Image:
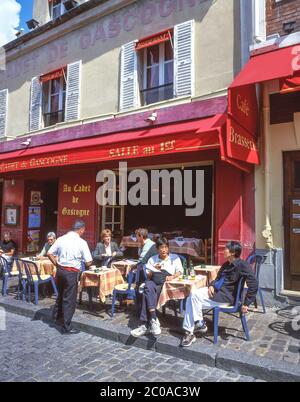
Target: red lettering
{"x":85,"y":40}
{"x":166,"y":7}
{"x":130,"y":20}
{"x":100,"y":33}
{"x":114,"y":27}
{"x":148,"y":13}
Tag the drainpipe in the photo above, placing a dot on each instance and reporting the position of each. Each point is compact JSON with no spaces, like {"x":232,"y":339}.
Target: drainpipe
{"x":267,"y":232}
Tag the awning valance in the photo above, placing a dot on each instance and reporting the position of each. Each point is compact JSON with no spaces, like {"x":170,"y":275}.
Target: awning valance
{"x":290,"y":84}
{"x":152,"y":40}
{"x":52,"y":75}
{"x":196,"y":135}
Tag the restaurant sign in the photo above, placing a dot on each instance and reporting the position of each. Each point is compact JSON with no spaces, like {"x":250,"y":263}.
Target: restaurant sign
{"x":140,"y":147}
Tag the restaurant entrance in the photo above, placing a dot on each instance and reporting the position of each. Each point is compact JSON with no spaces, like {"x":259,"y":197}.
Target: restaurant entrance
{"x":171,"y":219}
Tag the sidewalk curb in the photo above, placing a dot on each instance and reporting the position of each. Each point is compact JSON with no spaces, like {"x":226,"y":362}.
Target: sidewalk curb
{"x":225,"y":359}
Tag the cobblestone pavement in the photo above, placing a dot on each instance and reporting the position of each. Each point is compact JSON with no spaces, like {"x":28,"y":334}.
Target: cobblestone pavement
{"x":275,"y":335}
{"x":34,"y":351}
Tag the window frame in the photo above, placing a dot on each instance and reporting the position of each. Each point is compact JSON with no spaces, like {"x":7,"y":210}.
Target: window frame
{"x":61,"y":99}
{"x":60,"y":5}
{"x":161,"y":70}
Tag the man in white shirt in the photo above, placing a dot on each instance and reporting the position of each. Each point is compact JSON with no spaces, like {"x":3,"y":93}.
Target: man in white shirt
{"x":69,"y":253}
{"x":160,"y":268}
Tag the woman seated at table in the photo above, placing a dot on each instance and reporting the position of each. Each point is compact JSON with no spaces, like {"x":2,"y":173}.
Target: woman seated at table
{"x":106,"y":250}
{"x":51,"y":239}
{"x":161,"y":268}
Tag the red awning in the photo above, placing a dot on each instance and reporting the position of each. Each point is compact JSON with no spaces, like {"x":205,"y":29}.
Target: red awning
{"x":268,"y":66}
{"x":242,"y":99}
{"x":52,"y":75}
{"x":197,"y":135}
{"x":152,"y":40}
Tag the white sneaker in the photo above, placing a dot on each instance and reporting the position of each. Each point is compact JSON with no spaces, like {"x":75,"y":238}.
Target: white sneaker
{"x":139,"y":331}
{"x":155,"y":327}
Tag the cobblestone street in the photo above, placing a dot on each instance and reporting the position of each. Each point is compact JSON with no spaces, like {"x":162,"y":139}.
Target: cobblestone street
{"x":34,"y":351}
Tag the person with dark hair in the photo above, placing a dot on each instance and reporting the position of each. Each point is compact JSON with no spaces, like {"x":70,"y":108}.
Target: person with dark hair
{"x":148,"y":247}
{"x":220,"y":291}
{"x":8,"y":247}
{"x":106,"y":250}
{"x":160,"y":268}
{"x":69,"y":253}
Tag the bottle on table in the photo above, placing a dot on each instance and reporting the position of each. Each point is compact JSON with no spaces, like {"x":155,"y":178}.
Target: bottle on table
{"x":192,"y":270}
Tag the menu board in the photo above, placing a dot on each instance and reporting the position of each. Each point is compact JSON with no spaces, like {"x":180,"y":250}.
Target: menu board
{"x":34,"y":217}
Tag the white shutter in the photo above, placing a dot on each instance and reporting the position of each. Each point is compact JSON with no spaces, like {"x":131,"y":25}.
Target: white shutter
{"x":35,"y":104}
{"x":3,"y":111}
{"x":128,"y":82}
{"x":73,"y":91}
{"x":184,"y":58}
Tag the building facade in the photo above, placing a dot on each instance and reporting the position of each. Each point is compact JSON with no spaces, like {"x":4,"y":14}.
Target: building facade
{"x":141,"y":82}
{"x":273,"y":72}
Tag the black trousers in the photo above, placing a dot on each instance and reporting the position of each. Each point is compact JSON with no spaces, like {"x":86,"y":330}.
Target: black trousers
{"x":67,"y":285}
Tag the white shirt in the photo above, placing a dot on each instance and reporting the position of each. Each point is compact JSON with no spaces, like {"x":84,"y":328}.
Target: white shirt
{"x":71,"y":251}
{"x":108,"y":250}
{"x":172,"y":264}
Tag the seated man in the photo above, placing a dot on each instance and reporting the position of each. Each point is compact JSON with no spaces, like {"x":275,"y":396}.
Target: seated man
{"x":148,"y":249}
{"x":51,"y":238}
{"x":7,"y":247}
{"x":222,"y":290}
{"x":106,"y":250}
{"x":160,"y":268}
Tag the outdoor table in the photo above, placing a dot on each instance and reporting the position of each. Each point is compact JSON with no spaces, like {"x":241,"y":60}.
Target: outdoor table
{"x":188,"y":246}
{"x":45,"y":267}
{"x":180,"y":289}
{"x":210,"y":271}
{"x":105,"y":281}
{"x":124,"y":266}
{"x":129,"y":241}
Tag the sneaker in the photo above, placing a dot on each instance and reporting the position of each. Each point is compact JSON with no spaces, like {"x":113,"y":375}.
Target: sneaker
{"x":201,"y":327}
{"x":188,"y":340}
{"x":155,"y":327}
{"x":139,"y":331}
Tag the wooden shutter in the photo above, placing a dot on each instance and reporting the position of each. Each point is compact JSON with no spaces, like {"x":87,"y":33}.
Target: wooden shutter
{"x":128,"y":83}
{"x":184,"y":58}
{"x":35,"y":104}
{"x":72,"y":111}
{"x":3,"y":111}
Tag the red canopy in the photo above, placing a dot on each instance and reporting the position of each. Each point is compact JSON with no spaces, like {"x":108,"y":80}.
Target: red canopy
{"x":190,"y":136}
{"x":242,"y":99}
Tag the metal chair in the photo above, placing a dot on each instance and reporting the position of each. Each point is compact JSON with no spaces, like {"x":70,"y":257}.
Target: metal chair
{"x":7,"y":274}
{"x":36,"y":279}
{"x":256,"y":261}
{"x":236,"y":308}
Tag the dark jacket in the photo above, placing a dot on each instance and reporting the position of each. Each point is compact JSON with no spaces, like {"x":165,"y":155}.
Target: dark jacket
{"x":232,"y":274}
{"x":100,"y":249}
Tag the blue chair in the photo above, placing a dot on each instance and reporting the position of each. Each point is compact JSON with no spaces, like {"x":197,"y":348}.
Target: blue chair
{"x":256,"y":261}
{"x":33,"y":278}
{"x":236,"y":308}
{"x":125,"y":290}
{"x":7,"y":274}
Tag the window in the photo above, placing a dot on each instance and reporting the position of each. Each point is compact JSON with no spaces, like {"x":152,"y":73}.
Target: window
{"x":57,"y":8}
{"x":156,"y":70}
{"x":283,"y":106}
{"x":54,"y":99}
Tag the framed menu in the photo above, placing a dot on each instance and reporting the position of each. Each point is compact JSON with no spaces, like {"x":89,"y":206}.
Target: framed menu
{"x":34,"y":217}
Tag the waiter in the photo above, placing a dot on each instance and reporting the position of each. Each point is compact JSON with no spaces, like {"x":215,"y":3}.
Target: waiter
{"x":69,"y":253}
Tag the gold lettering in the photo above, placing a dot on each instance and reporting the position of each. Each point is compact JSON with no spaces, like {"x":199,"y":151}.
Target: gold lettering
{"x":243,"y":105}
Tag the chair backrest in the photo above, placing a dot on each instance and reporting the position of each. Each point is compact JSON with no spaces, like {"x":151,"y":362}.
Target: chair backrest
{"x":19,"y":265}
{"x":256,"y":261}
{"x":239,"y":293}
{"x":31,"y":269}
{"x":4,"y":266}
